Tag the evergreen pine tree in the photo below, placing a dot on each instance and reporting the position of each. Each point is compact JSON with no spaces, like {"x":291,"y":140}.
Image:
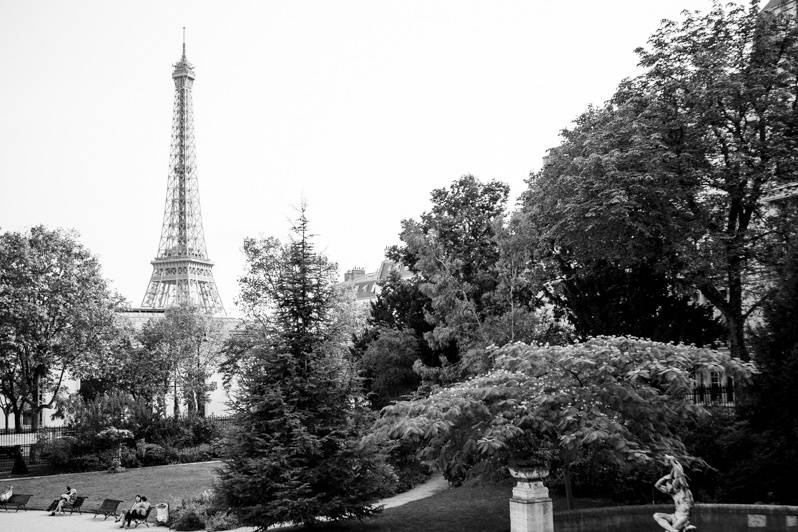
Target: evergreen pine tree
{"x":297,"y":454}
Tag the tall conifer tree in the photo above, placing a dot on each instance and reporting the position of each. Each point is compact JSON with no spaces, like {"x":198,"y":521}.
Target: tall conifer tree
{"x":297,"y":454}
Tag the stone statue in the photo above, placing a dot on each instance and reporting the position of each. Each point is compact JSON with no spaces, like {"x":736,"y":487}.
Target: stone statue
{"x":675,"y":485}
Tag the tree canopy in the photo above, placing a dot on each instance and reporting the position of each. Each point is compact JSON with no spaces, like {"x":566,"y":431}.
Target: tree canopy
{"x":617,"y":398}
{"x":671,"y":172}
{"x":55,"y":308}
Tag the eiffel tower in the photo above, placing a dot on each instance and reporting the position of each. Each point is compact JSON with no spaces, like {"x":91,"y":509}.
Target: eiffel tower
{"x":181,"y":272}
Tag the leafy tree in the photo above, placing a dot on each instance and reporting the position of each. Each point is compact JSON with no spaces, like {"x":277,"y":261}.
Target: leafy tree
{"x":670,"y":173}
{"x":773,"y":413}
{"x":55,"y":308}
{"x":603,"y":299}
{"x":619,"y":400}
{"x":12,"y":398}
{"x":125,"y":366}
{"x":182,"y":347}
{"x":388,"y":366}
{"x":401,"y":306}
{"x":297,"y":454}
{"x":454,"y":251}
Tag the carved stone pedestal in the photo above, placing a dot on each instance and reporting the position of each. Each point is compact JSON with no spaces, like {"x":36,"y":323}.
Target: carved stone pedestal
{"x":530,"y":506}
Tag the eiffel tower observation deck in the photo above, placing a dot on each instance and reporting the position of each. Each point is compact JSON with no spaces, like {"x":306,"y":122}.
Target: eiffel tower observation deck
{"x":182,"y":272}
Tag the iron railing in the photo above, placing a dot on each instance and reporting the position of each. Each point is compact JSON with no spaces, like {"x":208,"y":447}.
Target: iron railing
{"x":715,"y":396}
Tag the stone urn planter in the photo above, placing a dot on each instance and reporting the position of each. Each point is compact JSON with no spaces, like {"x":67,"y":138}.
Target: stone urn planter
{"x":530,"y":506}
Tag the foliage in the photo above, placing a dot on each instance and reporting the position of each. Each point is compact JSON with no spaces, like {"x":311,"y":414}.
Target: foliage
{"x":405,"y":458}
{"x":296,"y":454}
{"x":55,"y":308}
{"x":388,"y":366}
{"x":135,"y":363}
{"x":454,"y":250}
{"x":672,"y":170}
{"x":614,"y":399}
{"x":95,"y":425}
{"x":87,"y":419}
{"x":603,"y":299}
{"x":59,"y":451}
{"x":200,"y":513}
{"x":772,"y":416}
{"x":183,"y":348}
{"x":401,"y":305}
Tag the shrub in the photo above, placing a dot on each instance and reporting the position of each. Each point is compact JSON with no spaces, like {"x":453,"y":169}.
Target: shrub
{"x":150,"y":454}
{"x":199,"y":453}
{"x":87,"y":462}
{"x":187,"y":518}
{"x":182,"y":432}
{"x":221,"y":521}
{"x":200,"y":513}
{"x":58,"y":452}
{"x":406,"y":463}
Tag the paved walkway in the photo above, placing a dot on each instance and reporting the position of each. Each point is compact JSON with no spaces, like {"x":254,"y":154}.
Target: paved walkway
{"x":41,"y":521}
{"x":434,"y":485}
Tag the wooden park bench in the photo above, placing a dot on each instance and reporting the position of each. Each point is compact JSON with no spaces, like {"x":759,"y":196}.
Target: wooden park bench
{"x":107,"y":509}
{"x":138,"y":519}
{"x":18,"y":500}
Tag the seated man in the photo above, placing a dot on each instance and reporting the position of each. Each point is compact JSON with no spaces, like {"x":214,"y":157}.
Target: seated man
{"x":7,"y":494}
{"x":139,"y":509}
{"x":68,"y":497}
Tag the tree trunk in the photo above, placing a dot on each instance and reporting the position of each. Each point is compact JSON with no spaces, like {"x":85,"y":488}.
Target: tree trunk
{"x":17,"y":420}
{"x":177,"y":399}
{"x":34,"y":418}
{"x":737,"y":348}
{"x":735,"y":323}
{"x":569,"y":494}
{"x":200,"y":403}
{"x":191,"y":407}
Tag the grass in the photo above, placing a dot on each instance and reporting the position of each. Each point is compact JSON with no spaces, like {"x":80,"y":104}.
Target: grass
{"x":170,"y":484}
{"x":477,"y":508}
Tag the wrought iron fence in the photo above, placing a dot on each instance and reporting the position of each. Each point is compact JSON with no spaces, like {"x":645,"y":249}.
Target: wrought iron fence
{"x":715,"y":396}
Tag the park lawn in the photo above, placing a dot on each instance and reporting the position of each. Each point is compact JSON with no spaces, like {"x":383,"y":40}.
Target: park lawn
{"x":169,"y":483}
{"x":478,"y":508}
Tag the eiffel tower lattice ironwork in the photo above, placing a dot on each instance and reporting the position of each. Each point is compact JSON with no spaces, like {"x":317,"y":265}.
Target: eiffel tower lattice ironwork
{"x":182,"y":273}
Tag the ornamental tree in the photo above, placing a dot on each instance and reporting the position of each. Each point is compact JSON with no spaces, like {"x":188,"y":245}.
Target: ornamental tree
{"x":619,"y":399}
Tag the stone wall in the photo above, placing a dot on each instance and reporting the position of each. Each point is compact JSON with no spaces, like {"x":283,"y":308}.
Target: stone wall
{"x":707,"y":517}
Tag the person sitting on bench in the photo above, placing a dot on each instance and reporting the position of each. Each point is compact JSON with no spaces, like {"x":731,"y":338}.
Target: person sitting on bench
{"x":68,"y":497}
{"x":7,"y":494}
{"x":139,"y":509}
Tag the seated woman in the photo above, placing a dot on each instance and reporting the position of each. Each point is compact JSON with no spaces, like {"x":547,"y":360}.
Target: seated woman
{"x":68,"y":497}
{"x":7,"y":494}
{"x":139,"y":509}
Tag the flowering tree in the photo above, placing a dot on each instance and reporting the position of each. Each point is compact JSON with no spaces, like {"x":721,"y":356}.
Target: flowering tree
{"x":615,"y":397}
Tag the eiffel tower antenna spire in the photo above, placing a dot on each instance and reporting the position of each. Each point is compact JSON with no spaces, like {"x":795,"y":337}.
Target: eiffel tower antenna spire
{"x":181,"y":271}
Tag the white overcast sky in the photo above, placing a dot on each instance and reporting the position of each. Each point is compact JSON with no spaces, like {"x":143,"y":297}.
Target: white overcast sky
{"x":360,"y":107}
